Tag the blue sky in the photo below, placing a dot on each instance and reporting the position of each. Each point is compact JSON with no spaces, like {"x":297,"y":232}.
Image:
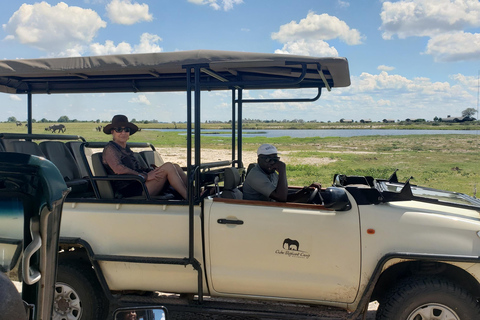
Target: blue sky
{"x":408,"y":58}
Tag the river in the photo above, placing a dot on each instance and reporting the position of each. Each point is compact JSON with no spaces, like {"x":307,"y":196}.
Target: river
{"x":325,"y":132}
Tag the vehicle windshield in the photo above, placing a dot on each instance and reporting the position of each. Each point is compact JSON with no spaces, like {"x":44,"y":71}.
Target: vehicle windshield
{"x":429,"y":193}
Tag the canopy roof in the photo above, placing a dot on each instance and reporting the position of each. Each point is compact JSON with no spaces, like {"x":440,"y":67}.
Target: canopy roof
{"x":167,"y":71}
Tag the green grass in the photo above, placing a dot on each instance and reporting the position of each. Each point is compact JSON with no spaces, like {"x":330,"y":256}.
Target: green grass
{"x":450,"y":162}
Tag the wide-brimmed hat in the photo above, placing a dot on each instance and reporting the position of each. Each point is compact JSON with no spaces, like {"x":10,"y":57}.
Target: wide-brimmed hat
{"x":266,"y":149}
{"x":119,"y":121}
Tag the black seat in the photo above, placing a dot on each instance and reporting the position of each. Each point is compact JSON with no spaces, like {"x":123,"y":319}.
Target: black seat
{"x":58,"y":153}
{"x":250,"y":167}
{"x":7,"y":144}
{"x":74,"y":147}
{"x":27,"y":147}
{"x":140,"y":160}
{"x":152,"y":157}
{"x":104,"y":187}
{"x":231,"y":181}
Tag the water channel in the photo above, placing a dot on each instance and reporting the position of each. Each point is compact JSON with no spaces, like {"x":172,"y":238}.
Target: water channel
{"x":324,"y":132}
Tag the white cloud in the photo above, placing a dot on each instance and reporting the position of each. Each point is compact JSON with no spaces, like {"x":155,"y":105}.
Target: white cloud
{"x":14,"y":97}
{"x":385,"y":68}
{"x":428,"y":17}
{"x":59,"y":30}
{"x":385,"y":95}
{"x":109,"y":47}
{"x":458,"y":46}
{"x":444,"y":21}
{"x":470,"y":82}
{"x":141,"y":99}
{"x":148,"y":43}
{"x":226,"y":5}
{"x":318,"y":27}
{"x":316,"y":48}
{"x":343,"y":4}
{"x":128,"y":13}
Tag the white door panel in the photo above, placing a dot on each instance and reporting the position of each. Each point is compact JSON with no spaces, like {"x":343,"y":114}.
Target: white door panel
{"x":287,"y":252}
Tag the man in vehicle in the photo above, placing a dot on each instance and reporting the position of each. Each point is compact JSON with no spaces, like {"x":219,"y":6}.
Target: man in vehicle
{"x":267,"y":180}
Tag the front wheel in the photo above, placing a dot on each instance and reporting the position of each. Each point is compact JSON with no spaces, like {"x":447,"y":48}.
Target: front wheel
{"x":78,"y":295}
{"x":428,"y":298}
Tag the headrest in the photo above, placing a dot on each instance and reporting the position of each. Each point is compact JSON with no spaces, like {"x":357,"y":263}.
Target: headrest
{"x":231,"y":178}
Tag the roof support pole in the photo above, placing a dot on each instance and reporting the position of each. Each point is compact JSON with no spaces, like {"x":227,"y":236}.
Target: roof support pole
{"x":240,"y":108}
{"x":233,"y":125}
{"x":29,"y":113}
{"x":197,"y":125}
{"x":193,"y":175}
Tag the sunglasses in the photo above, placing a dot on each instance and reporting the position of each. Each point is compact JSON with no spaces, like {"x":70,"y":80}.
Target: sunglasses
{"x":271,"y":159}
{"x":122,"y":129}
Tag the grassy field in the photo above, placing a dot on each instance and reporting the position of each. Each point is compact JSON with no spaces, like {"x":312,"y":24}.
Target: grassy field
{"x":450,"y":162}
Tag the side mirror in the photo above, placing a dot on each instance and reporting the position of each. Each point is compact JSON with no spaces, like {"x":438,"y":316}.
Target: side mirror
{"x":141,"y":313}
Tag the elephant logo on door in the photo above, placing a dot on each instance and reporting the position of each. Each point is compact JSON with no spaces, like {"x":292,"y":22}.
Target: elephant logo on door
{"x":289,"y":244}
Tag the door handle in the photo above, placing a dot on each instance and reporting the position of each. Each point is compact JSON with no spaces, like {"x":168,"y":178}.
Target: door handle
{"x":30,"y":274}
{"x":229,"y":221}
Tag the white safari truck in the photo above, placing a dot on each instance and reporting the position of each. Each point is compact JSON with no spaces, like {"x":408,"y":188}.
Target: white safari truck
{"x":414,"y":250}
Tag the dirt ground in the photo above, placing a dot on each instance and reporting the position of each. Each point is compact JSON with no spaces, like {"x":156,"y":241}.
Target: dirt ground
{"x":179,"y":156}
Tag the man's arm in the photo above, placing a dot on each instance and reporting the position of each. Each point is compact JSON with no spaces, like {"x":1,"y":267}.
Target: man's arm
{"x":281,"y":192}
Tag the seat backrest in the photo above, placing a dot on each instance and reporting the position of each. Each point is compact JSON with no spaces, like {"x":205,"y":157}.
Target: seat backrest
{"x":152,"y":157}
{"x":62,"y":158}
{"x":140,"y":160}
{"x":230,"y":184}
{"x":250,"y":166}
{"x":74,"y":147}
{"x":27,"y":147}
{"x":7,"y":144}
{"x":104,"y":187}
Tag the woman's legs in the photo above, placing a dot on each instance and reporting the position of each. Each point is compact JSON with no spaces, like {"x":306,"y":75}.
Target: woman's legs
{"x":182,"y":174}
{"x":168,"y":172}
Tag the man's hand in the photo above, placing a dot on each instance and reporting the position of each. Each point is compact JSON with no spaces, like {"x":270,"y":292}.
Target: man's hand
{"x":280,"y":166}
{"x":316,"y":185}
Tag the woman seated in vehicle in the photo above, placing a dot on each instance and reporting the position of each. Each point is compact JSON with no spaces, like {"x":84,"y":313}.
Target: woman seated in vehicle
{"x":119,"y":159}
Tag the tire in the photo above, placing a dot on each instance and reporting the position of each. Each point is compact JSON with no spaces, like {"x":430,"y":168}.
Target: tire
{"x":428,"y":298}
{"x":78,"y":295}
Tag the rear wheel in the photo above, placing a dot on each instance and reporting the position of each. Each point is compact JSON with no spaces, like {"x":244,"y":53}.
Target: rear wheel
{"x":428,"y":298}
{"x":78,"y":295}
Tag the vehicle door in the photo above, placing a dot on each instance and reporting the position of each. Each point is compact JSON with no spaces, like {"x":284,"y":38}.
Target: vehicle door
{"x":287,"y":250}
{"x":32,"y":193}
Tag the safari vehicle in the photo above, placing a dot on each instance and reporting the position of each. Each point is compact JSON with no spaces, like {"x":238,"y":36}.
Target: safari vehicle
{"x":415,"y":250}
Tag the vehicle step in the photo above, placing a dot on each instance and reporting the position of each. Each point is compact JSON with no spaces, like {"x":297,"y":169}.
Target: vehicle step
{"x":230,"y":309}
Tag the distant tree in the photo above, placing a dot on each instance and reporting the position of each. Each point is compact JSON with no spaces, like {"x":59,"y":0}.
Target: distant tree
{"x":134,"y":120}
{"x":98,"y":121}
{"x":12,"y":119}
{"x":435,"y":119}
{"x":44,"y":120}
{"x":63,"y":119}
{"x":468,"y":112}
